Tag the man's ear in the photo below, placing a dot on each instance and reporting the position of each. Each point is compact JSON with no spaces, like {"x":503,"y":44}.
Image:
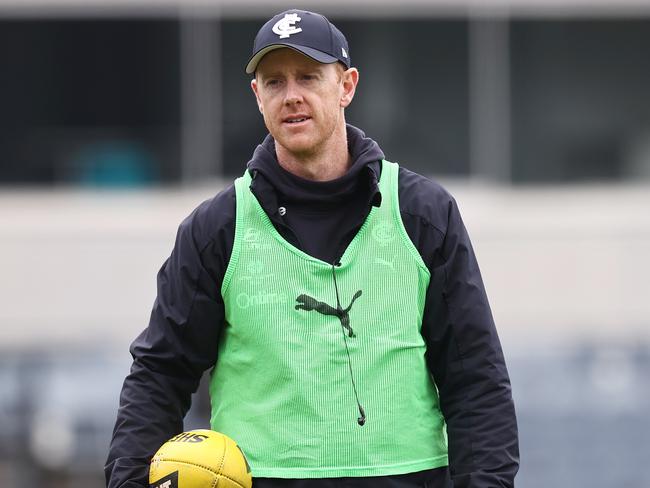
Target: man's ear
{"x":350,"y":79}
{"x":257,"y":95}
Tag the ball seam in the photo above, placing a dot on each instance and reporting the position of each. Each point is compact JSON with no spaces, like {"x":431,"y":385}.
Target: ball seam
{"x":223,"y":460}
{"x":207,"y":468}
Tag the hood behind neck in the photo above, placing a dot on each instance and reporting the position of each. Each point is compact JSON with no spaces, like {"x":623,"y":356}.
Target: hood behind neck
{"x":365,"y":154}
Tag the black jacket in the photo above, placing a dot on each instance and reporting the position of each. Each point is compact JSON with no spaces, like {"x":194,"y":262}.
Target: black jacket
{"x":321,"y":218}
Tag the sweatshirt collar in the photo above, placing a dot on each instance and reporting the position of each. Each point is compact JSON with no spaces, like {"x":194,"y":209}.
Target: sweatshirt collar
{"x":271,"y":182}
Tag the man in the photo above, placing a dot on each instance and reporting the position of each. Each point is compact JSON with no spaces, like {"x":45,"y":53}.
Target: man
{"x":336,"y":297}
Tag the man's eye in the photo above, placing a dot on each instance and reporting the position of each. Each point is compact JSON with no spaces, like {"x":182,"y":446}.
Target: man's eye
{"x":272,"y":83}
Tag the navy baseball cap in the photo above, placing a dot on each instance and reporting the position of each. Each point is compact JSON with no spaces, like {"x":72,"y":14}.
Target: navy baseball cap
{"x":307,"y":32}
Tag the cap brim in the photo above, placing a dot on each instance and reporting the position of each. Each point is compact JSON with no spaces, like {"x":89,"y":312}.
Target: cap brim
{"x":315,"y":54}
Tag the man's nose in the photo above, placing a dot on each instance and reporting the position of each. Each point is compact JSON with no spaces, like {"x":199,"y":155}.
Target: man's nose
{"x":293,"y":93}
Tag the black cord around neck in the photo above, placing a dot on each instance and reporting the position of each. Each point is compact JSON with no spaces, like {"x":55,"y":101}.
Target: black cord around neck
{"x":361,"y":420}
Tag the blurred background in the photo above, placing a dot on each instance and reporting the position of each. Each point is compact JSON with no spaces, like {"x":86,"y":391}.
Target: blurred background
{"x":118,"y":117}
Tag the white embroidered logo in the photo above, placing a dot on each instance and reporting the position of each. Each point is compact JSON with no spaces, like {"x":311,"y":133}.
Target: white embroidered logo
{"x":343,"y":52}
{"x":284,"y":27}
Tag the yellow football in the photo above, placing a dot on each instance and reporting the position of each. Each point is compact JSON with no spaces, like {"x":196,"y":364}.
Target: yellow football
{"x":199,"y":459}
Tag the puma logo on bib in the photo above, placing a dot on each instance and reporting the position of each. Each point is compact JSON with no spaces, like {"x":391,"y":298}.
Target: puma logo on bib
{"x":305,"y":302}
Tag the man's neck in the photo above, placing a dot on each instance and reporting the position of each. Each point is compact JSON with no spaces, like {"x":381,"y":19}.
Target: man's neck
{"x":324,"y":164}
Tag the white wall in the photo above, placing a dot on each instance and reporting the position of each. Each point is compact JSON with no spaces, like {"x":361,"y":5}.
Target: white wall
{"x":364,"y":8}
{"x":568,"y":263}
{"x":564,"y":263}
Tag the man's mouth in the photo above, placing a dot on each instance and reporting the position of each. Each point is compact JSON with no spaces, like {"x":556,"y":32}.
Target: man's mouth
{"x":296,"y":119}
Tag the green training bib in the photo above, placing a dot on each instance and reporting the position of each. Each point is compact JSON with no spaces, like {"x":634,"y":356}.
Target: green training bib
{"x":282,"y":386}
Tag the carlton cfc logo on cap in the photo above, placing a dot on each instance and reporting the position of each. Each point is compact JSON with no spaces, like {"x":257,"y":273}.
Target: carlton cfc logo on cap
{"x":285,"y":26}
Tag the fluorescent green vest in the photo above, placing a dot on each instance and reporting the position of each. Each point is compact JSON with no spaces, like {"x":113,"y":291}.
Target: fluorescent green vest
{"x":282,"y":386}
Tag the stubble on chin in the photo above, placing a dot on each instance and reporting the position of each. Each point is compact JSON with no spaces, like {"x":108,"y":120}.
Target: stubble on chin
{"x":296,"y":148}
{"x":299,"y":145}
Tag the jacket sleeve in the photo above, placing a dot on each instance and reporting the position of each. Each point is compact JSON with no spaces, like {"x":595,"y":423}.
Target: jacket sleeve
{"x":179,"y":344}
{"x":466,"y":360}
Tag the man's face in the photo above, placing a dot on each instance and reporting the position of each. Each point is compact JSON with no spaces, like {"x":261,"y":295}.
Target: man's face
{"x":301,"y":100}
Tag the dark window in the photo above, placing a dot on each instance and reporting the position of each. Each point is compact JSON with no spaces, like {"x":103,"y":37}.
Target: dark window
{"x":89,"y":101}
{"x":581,"y":109}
